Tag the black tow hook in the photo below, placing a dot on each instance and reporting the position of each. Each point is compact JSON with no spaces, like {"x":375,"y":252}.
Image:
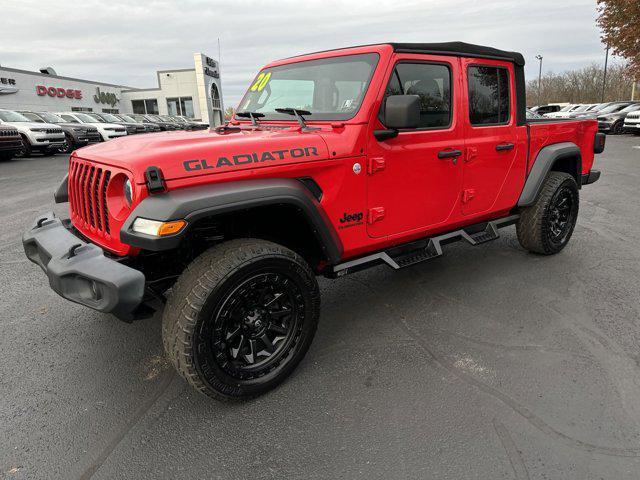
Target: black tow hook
{"x":72,"y":250}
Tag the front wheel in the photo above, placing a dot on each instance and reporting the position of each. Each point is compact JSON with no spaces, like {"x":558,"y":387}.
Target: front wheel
{"x":68,"y":146}
{"x":240,"y":318}
{"x":546,"y":226}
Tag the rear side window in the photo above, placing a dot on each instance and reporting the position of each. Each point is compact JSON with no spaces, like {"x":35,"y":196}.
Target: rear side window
{"x":430,"y":82}
{"x":488,"y":95}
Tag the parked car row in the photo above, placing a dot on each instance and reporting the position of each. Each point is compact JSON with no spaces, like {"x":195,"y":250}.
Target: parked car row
{"x":613,"y":117}
{"x":24,"y":132}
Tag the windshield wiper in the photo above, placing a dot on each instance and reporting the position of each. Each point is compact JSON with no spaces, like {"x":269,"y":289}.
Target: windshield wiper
{"x":252,"y":115}
{"x":298,"y":114}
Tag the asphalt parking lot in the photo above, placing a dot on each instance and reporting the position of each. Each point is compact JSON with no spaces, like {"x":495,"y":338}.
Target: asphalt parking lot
{"x":486,"y":363}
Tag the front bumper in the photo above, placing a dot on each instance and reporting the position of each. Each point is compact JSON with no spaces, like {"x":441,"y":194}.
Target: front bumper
{"x":11,"y":145}
{"x":631,"y":127}
{"x":80,"y":272}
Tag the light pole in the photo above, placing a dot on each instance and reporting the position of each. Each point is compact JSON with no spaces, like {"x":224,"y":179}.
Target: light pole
{"x":539,"y":57}
{"x":604,"y":78}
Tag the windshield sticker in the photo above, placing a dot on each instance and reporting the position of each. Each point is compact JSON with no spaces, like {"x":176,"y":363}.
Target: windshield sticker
{"x":260,"y":82}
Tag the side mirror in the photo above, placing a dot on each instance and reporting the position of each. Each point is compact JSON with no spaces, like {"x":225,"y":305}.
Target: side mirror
{"x":400,"y":111}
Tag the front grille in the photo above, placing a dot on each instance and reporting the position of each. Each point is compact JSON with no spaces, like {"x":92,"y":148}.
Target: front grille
{"x":93,"y":136}
{"x":8,"y":133}
{"x":88,"y":196}
{"x":633,"y":116}
{"x":54,"y":131}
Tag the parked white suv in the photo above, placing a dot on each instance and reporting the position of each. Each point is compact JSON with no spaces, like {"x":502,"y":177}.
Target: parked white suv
{"x":43,"y":137}
{"x":564,"y":112}
{"x":107,"y":130}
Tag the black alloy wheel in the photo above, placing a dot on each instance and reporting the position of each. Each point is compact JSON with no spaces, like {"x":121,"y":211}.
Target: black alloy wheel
{"x":561,"y":214}
{"x":256,"y":325}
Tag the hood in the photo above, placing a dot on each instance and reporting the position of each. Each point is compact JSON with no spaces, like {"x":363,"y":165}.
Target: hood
{"x":203,"y":152}
{"x":33,"y":125}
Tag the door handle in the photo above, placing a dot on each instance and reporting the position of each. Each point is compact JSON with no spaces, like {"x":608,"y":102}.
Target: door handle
{"x":449,"y":153}
{"x":504,"y":146}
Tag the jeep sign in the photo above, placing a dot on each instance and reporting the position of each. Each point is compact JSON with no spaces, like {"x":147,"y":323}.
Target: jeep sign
{"x":104,"y":97}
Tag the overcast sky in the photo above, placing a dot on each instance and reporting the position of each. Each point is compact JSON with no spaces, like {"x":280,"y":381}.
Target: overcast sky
{"x":126,"y":42}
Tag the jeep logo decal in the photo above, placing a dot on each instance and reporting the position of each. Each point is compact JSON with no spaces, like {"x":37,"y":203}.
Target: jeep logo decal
{"x":246,"y":158}
{"x":351,"y":219}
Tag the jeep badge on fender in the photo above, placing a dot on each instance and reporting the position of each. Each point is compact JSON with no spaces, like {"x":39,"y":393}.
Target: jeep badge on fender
{"x":236,"y":224}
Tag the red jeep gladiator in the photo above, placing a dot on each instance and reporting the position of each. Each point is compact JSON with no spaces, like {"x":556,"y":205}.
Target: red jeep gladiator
{"x":334,"y":162}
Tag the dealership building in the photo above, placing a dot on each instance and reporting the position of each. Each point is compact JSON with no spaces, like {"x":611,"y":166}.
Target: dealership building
{"x":193,"y":92}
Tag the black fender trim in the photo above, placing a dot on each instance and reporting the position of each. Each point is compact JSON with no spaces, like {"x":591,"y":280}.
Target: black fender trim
{"x":544,"y":162}
{"x":194,"y":203}
{"x":61,"y":195}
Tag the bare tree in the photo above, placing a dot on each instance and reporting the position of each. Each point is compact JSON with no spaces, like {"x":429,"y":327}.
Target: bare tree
{"x":582,"y":86}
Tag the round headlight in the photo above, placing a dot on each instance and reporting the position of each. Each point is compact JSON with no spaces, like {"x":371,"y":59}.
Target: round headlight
{"x":128,"y":192}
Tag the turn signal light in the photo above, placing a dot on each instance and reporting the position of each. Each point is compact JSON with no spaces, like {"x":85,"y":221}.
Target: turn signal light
{"x":156,"y":228}
{"x":169,"y":228}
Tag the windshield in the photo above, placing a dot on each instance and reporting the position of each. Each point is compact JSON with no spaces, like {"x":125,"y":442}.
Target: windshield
{"x":127,"y":118}
{"x":568,"y":108}
{"x":10,"y":116}
{"x":631,"y":108}
{"x":84,"y":118}
{"x":32,"y":117}
{"x":612,"y":108}
{"x":51,"y":117}
{"x":582,"y":108}
{"x":329,"y":88}
{"x":109,"y":118}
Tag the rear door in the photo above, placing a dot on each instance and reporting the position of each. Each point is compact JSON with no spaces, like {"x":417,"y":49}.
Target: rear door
{"x":490,"y":133}
{"x":414,"y":178}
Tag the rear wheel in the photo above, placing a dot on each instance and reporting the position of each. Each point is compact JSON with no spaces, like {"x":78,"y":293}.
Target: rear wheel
{"x":546,"y":226}
{"x":240,"y":318}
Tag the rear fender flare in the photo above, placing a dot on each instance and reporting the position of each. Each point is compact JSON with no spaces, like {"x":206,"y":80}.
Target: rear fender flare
{"x":194,"y":203}
{"x":546,"y":159}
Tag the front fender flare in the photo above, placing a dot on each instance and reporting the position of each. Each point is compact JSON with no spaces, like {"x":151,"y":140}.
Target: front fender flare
{"x":194,"y":203}
{"x":544,"y":162}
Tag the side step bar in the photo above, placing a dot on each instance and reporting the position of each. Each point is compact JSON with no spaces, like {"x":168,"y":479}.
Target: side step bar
{"x":415,"y":252}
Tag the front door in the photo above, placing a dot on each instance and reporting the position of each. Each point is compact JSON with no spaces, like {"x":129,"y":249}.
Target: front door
{"x":414,"y":179}
{"x":490,"y":133}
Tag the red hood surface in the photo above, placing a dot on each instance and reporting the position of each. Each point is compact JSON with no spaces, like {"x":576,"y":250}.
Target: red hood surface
{"x":183,"y":154}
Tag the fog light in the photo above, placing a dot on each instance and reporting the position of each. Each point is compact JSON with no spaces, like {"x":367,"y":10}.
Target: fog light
{"x":156,"y":228}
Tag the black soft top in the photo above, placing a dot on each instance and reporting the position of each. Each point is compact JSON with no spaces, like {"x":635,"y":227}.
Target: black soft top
{"x":461,"y":49}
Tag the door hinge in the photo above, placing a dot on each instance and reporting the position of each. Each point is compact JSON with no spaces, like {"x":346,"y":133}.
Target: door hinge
{"x":375,"y":214}
{"x":468,"y":194}
{"x":375,"y":165}
{"x":472,"y":153}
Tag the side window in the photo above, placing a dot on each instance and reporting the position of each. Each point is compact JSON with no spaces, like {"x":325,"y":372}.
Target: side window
{"x":432,"y":83}
{"x":488,"y":95}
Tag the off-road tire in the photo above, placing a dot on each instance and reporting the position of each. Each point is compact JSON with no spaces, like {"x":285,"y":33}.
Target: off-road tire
{"x":191,"y":325}
{"x":534,"y":227}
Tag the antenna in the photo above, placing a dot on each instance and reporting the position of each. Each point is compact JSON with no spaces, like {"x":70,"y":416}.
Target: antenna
{"x":219,"y":57}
